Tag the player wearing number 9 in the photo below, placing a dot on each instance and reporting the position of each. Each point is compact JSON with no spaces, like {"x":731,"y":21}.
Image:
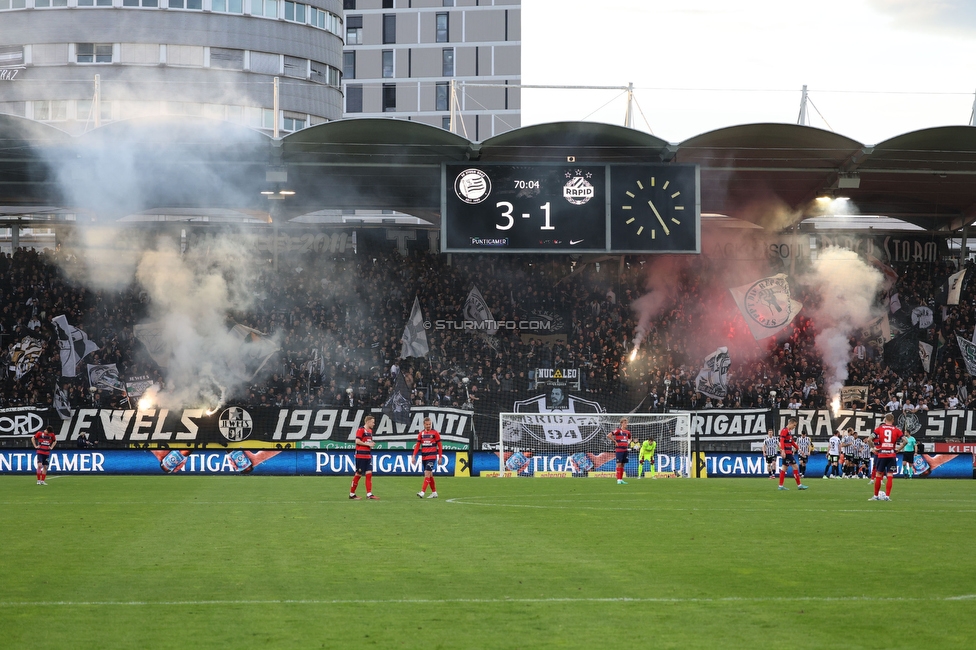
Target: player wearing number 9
{"x":888,"y":440}
{"x":621,"y":439}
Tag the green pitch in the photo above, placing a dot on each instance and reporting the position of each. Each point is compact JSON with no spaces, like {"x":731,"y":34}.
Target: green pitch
{"x":262,"y":562}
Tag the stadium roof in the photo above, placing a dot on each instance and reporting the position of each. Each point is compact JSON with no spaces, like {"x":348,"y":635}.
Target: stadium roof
{"x":767,"y":174}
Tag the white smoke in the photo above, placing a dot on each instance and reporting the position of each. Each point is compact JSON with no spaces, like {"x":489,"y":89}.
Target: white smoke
{"x":191,"y":297}
{"x":847,"y":287}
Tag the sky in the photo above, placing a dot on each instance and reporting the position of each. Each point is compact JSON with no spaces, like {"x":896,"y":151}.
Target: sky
{"x":874,"y":69}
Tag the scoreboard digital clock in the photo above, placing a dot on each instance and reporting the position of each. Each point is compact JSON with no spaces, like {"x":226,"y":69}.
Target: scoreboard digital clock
{"x":570,"y":208}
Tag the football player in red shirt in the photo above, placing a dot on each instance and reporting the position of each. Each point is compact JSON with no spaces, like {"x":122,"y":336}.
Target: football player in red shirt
{"x":43,"y":441}
{"x":887,"y":441}
{"x":431,"y":450}
{"x":787,"y":449}
{"x":364,"y":459}
{"x":621,"y":441}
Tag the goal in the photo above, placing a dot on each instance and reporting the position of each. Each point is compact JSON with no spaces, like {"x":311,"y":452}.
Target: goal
{"x":576,"y":444}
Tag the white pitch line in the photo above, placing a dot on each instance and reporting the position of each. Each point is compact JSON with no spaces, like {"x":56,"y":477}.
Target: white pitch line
{"x":479,"y":601}
{"x":461,"y":501}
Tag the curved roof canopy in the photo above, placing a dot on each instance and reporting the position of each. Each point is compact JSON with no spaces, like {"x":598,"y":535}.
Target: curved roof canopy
{"x":766,"y":174}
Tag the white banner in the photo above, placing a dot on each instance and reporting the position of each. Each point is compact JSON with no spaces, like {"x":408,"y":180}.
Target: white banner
{"x":955,"y":287}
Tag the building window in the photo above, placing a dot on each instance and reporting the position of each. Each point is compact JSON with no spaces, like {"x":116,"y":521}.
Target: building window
{"x":446,"y":121}
{"x":387,"y":64}
{"x":13,"y":4}
{"x":226,"y":59}
{"x":448,"y":3}
{"x":186,"y":4}
{"x":292,"y":124}
{"x":349,"y":64}
{"x":389,"y":28}
{"x":443,"y":28}
{"x":295,"y":12}
{"x":348,"y":5}
{"x":140,"y":3}
{"x":447,"y":62}
{"x":266,"y":8}
{"x":389,"y":98}
{"x":44,"y":3}
{"x":83,"y":3}
{"x":354,"y":99}
{"x":94,"y":52}
{"x":11,"y":55}
{"x":442,"y":96}
{"x":228,"y":6}
{"x":354,"y":30}
{"x":50,"y":110}
{"x":295,"y":67}
{"x":387,"y":4}
{"x":83,"y":110}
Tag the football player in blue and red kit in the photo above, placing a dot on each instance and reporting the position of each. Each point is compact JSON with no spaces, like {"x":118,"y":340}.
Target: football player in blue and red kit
{"x":364,"y":459}
{"x":621,"y":443}
{"x":888,"y":440}
{"x":43,"y":441}
{"x":431,"y":450}
{"x":787,"y":451}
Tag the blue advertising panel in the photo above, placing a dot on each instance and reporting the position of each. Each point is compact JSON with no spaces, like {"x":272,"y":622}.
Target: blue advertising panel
{"x":577,"y":464}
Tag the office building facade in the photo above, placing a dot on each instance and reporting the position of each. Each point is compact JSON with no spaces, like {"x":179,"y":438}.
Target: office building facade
{"x":214,"y":58}
{"x":416,"y":59}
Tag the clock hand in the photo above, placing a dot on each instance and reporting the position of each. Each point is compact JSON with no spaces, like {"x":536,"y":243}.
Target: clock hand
{"x":658,"y":215}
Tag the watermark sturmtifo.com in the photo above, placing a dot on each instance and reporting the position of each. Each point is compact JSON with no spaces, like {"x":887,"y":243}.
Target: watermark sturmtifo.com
{"x":540,"y":325}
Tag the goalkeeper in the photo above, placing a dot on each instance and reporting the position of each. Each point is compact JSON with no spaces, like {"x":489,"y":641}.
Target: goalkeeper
{"x":647,"y":449}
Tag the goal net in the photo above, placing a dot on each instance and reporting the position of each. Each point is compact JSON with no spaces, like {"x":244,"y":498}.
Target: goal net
{"x":577,"y":444}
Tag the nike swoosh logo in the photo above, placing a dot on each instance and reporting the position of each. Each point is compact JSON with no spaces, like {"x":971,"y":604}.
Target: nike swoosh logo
{"x":573,"y":243}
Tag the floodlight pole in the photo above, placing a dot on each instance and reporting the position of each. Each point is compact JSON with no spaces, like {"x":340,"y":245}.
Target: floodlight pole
{"x":803,"y":119}
{"x":972,"y":115}
{"x":629,"y":115}
{"x":97,"y":102}
{"x":275,"y":129}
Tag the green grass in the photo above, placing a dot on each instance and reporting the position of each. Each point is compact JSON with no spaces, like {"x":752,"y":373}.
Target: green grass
{"x":248,"y":562}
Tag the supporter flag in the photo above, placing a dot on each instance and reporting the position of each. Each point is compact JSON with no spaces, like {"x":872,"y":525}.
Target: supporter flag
{"x":61,"y":403}
{"x":713,"y":378}
{"x":901,"y":353}
{"x":256,"y":348}
{"x":968,"y":349}
{"x":24,"y":355}
{"x":74,"y":345}
{"x":397,"y":407}
{"x":151,"y":336}
{"x":766,"y":305}
{"x":414,"y":337}
{"x":925,"y":352}
{"x":105,"y":377}
{"x":476,"y":312}
{"x":891,"y":276}
{"x":955,"y":287}
{"x":894,"y":303}
{"x":853,"y":395}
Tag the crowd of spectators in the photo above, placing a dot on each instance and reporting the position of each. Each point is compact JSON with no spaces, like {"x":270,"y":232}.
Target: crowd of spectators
{"x":340,"y":318}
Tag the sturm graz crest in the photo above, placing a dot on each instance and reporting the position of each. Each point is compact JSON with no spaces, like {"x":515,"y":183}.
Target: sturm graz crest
{"x":235,"y":424}
{"x":909,"y":423}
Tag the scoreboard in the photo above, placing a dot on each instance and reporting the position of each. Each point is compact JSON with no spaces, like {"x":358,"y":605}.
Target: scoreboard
{"x":570,"y":208}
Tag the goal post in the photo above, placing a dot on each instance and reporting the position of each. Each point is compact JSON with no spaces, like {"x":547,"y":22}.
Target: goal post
{"x":577,"y":444}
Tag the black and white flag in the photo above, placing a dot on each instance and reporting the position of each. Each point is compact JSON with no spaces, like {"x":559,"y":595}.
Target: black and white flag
{"x":968,"y":350}
{"x":713,"y":378}
{"x":397,"y":407}
{"x":766,"y":305}
{"x":74,"y":345}
{"x":24,"y":355}
{"x":477,"y":313}
{"x":105,"y":377}
{"x":414,"y":337}
{"x":61,"y":404}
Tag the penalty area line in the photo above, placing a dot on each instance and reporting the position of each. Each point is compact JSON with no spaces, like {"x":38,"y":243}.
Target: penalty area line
{"x":483,"y":601}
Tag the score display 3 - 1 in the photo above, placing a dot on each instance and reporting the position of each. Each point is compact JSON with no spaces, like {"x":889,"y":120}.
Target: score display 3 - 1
{"x":570,"y":208}
{"x":524,"y":208}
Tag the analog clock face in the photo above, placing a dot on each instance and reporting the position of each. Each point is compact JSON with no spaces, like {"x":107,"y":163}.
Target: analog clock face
{"x":654,"y":208}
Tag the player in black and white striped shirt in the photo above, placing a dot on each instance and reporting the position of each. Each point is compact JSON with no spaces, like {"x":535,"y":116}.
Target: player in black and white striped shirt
{"x":771,"y":452}
{"x":847,"y":443}
{"x":804,"y":447}
{"x":863,"y":452}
